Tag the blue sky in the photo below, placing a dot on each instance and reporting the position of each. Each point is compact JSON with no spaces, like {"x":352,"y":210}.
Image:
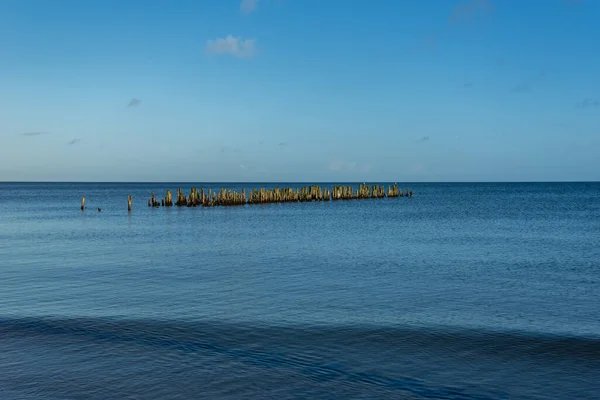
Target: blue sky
{"x":299,"y":90}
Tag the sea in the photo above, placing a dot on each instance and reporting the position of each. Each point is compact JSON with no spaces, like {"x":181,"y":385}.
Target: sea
{"x":463,"y":291}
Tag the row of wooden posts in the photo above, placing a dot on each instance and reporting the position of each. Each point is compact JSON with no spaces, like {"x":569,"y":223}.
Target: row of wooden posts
{"x":229,"y":197}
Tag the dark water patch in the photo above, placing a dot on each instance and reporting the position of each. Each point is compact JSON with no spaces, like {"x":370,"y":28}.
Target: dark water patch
{"x":178,"y":333}
{"x":388,"y":359}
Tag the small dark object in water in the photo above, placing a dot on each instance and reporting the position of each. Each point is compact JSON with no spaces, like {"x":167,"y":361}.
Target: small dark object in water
{"x":82,"y":203}
{"x":99,"y":209}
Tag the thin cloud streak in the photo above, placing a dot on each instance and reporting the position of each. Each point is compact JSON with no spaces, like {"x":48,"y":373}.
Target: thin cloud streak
{"x":74,"y":141}
{"x":234,"y":46}
{"x":227,"y":149}
{"x":33,"y":133}
{"x":588,"y":103}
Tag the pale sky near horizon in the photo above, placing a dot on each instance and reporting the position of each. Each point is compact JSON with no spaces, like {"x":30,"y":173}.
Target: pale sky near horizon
{"x":299,"y":90}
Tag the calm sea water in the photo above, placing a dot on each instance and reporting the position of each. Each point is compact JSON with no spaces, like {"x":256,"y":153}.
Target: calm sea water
{"x":465,"y":291}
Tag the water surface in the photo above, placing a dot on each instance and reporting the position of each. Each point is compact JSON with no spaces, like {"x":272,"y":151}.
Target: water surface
{"x":475,"y":291}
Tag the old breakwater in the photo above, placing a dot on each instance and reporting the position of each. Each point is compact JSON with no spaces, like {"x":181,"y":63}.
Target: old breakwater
{"x":229,"y":197}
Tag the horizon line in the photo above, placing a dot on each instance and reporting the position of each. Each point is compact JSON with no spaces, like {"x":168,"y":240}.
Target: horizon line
{"x":299,"y":182}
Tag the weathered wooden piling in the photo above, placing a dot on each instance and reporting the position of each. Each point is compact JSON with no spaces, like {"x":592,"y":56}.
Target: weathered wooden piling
{"x":224,"y":197}
{"x":82,"y":203}
{"x":230,"y":197}
{"x":153,"y":202}
{"x":181,"y":199}
{"x":343,"y":193}
{"x":393,"y":191}
{"x":378,"y":192}
{"x":129,"y":201}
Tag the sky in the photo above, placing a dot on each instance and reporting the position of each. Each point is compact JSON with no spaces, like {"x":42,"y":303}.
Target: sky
{"x":299,"y":90}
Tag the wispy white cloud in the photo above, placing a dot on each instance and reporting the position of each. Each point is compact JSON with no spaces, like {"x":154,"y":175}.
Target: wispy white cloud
{"x":235,"y":46}
{"x":588,"y":103}
{"x":247,"y":6}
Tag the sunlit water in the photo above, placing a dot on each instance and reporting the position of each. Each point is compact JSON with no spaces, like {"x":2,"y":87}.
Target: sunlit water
{"x":474,"y":291}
